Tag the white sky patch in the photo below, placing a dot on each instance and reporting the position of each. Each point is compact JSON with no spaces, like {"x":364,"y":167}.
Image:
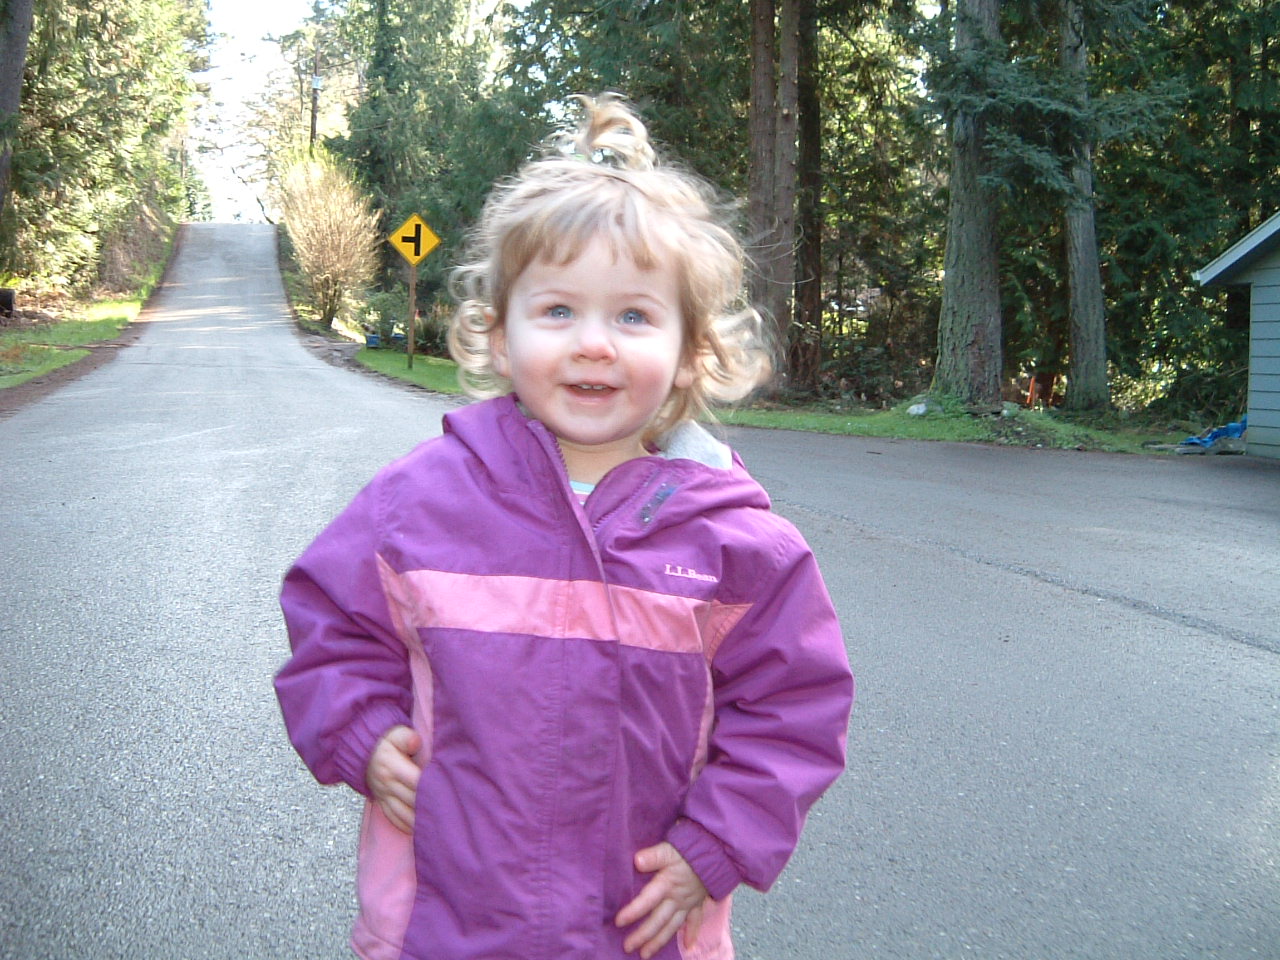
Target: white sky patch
{"x":241,"y":61}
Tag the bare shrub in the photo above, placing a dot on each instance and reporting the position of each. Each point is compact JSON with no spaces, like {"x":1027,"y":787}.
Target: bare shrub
{"x":333,"y":228}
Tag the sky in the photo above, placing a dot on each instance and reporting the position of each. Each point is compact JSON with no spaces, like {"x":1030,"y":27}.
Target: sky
{"x":241,"y":62}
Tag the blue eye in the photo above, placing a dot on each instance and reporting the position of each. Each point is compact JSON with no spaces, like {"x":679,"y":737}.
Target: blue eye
{"x":632,"y":317}
{"x":560,"y":312}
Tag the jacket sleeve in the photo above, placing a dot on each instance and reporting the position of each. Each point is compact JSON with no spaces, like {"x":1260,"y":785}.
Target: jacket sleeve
{"x":783,"y":693}
{"x":348,"y":680}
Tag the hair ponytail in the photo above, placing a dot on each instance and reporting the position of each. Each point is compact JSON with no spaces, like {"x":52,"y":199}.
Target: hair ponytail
{"x":611,"y":134}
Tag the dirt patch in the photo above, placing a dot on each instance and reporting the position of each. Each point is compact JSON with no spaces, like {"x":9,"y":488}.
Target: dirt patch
{"x":340,"y":353}
{"x":1017,"y":432}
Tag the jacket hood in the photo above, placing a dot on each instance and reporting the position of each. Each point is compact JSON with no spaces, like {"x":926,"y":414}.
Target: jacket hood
{"x":518,"y":451}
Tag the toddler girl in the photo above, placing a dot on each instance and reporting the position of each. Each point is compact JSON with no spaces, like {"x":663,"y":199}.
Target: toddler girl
{"x":587,"y":681}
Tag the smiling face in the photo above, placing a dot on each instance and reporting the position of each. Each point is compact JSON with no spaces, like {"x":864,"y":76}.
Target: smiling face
{"x":593,"y":348}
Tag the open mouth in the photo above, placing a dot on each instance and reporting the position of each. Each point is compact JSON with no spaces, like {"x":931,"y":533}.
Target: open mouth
{"x":593,"y":389}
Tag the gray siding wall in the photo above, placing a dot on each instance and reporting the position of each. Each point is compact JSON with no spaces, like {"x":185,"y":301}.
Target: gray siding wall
{"x":1263,"y":437}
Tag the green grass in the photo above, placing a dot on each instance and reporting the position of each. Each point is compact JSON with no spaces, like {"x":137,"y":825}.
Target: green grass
{"x":858,"y":422}
{"x":67,"y":333}
{"x":24,"y":362}
{"x":433,"y":373}
{"x":1027,"y":428}
{"x":34,"y":349}
{"x":1024,"y":428}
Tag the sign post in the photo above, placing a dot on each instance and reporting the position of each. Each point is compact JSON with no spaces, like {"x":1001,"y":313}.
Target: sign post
{"x":414,"y":240}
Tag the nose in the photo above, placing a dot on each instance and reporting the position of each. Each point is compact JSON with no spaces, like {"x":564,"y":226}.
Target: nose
{"x":595,"y":341}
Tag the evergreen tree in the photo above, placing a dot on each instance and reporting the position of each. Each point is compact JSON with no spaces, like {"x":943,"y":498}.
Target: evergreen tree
{"x":970,"y":362}
{"x":683,"y":63}
{"x":1178,"y":194}
{"x":1042,"y":124}
{"x":774,"y":130}
{"x":99,"y":149}
{"x":429,"y":134}
{"x":882,"y":221}
{"x":1087,"y":385}
{"x":805,"y":361}
{"x":16,"y":18}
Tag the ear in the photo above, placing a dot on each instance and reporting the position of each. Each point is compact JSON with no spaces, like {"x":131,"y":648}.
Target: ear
{"x":687,"y":372}
{"x":684,"y":377}
{"x":497,"y":345}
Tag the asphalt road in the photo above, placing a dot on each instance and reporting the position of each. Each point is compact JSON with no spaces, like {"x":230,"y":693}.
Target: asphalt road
{"x":1066,"y":743}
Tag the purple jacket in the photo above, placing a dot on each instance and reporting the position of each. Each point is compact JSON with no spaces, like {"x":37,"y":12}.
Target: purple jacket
{"x":663,"y":663}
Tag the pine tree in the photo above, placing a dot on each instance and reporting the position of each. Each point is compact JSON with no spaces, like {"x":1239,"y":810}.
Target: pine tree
{"x":99,"y":150}
{"x":16,"y":17}
{"x":1087,"y":386}
{"x":970,"y":361}
{"x":1202,"y":170}
{"x":774,"y":126}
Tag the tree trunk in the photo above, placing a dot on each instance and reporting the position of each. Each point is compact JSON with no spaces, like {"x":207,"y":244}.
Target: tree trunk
{"x":1087,"y":387}
{"x":782,"y":284}
{"x":970,"y":359}
{"x":15,"y":30}
{"x":772,"y":126}
{"x":806,"y":348}
{"x":760,"y":130}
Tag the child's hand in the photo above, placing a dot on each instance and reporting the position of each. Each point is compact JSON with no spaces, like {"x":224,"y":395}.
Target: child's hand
{"x":673,"y":897}
{"x":393,"y":775}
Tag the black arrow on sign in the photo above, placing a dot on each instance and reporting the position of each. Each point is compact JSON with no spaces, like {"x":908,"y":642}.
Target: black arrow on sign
{"x":415,"y":238}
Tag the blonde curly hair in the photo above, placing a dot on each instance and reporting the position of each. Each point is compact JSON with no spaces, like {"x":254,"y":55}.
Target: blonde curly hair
{"x":603,"y":179}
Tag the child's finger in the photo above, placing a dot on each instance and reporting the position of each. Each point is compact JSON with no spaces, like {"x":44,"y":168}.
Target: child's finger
{"x":403,"y":769}
{"x":399,"y":791}
{"x":652,"y":859}
{"x":405,"y":739}
{"x":660,"y":939}
{"x":692,"y":927}
{"x":402,"y":822}
{"x":658,"y":927}
{"x":643,"y":904}
{"x":392,"y":759}
{"x":399,"y":810}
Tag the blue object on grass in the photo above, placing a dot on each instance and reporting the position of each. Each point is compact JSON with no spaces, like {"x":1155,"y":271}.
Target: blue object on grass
{"x":1210,"y":438}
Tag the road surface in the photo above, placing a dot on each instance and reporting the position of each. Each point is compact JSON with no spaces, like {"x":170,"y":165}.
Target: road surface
{"x":1066,"y":743}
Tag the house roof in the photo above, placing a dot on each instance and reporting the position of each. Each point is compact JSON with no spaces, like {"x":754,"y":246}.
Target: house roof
{"x":1241,"y":254}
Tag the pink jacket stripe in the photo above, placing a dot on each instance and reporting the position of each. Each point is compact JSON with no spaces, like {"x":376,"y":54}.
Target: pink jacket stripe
{"x":582,"y":609}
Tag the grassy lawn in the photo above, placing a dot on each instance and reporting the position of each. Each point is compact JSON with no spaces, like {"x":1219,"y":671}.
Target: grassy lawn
{"x":1025,"y":428}
{"x":433,"y":373}
{"x":30,"y":350}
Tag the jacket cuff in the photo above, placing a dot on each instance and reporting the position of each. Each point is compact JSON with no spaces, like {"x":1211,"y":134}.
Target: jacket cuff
{"x":351,"y":758}
{"x":707,"y":856}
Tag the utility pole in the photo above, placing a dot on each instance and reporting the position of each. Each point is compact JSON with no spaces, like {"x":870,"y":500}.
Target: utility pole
{"x":315,"y":98}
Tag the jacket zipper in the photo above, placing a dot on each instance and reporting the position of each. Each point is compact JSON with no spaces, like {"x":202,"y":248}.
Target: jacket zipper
{"x":556,"y":456}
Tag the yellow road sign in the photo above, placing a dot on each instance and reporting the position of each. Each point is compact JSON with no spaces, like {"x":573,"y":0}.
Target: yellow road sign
{"x":414,"y":239}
